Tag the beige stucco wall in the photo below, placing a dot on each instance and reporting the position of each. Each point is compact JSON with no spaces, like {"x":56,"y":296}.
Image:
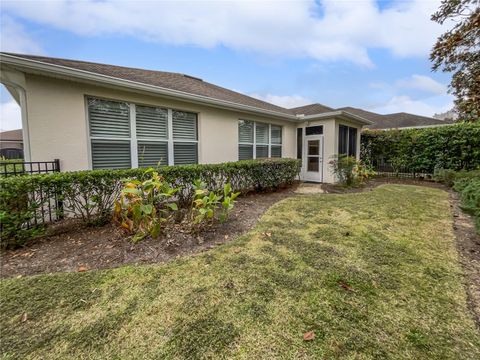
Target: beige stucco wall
{"x":58,"y":126}
{"x":329,"y":144}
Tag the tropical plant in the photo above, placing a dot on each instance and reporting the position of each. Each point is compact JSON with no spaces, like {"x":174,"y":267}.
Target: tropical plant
{"x":204,"y":203}
{"x":143,"y":206}
{"x":228,"y":202}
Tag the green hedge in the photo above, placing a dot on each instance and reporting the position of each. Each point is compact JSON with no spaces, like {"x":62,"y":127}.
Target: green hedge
{"x":455,"y":147}
{"x":89,"y":195}
{"x":467,"y":184}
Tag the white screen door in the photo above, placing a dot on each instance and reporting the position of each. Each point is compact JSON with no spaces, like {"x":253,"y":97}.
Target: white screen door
{"x":312,"y":167}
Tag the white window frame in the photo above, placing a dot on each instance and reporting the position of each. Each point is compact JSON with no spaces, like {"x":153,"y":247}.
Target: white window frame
{"x":133,"y":133}
{"x":254,"y":144}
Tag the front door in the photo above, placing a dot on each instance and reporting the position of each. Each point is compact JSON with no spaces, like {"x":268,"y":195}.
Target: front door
{"x":312,"y":167}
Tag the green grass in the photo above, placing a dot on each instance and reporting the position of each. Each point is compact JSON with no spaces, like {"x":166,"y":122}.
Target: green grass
{"x":255,"y":297}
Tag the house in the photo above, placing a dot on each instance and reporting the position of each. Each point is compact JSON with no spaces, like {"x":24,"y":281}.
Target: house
{"x":93,"y":116}
{"x":400,"y":120}
{"x":11,"y":144}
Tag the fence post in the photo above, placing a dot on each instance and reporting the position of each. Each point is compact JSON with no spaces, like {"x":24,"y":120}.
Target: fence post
{"x":58,"y":193}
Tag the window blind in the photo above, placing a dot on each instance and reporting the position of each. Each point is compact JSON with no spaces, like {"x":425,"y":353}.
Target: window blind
{"x":245,"y":131}
{"x":184,"y":125}
{"x":276,"y":134}
{"x":152,"y":154}
{"x":110,"y":154}
{"x":261,"y":133}
{"x":151,"y":122}
{"x":185,"y":153}
{"x":108,"y":118}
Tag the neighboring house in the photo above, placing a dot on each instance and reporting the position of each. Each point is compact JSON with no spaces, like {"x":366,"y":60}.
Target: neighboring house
{"x":93,"y":116}
{"x":11,"y":144}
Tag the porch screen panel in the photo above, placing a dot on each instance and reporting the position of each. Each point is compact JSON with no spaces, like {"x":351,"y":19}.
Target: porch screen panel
{"x":108,"y":118}
{"x":299,"y":143}
{"x":110,"y":154}
{"x":152,"y":154}
{"x":151,"y":122}
{"x":352,"y":141}
{"x":342,"y":140}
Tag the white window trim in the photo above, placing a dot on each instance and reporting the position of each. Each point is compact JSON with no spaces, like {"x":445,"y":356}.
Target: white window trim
{"x":133,"y":133}
{"x":269,"y":144}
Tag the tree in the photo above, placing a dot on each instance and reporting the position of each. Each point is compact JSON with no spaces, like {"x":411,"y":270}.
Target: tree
{"x":458,"y":51}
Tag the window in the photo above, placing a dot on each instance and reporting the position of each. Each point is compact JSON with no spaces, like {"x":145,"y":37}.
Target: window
{"x":299,"y":143}
{"x":347,"y":140}
{"x":110,"y":134}
{"x":314,"y":130}
{"x":258,"y":140}
{"x":125,"y":135}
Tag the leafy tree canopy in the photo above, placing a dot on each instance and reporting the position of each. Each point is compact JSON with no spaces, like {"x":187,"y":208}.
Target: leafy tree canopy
{"x":458,"y":51}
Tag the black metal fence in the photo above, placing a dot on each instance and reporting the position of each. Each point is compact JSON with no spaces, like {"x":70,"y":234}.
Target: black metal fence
{"x":390,"y":171}
{"x":48,"y":202}
{"x":19,"y":167}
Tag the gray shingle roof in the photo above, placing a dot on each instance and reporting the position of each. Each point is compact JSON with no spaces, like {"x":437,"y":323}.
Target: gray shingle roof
{"x":311,"y":109}
{"x":396,"y":120}
{"x":168,"y":80}
{"x":195,"y":86}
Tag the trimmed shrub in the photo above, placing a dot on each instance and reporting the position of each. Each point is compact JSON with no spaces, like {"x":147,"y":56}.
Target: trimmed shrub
{"x":455,"y":147}
{"x":90,"y":195}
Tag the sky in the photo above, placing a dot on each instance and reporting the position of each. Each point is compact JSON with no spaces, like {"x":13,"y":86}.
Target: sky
{"x":362,"y":53}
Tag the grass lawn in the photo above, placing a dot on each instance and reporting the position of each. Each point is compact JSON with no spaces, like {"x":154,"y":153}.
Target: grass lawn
{"x":374,"y":275}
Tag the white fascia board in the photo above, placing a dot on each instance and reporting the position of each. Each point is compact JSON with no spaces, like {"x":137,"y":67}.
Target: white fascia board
{"x":69,"y":72}
{"x":338,"y":114}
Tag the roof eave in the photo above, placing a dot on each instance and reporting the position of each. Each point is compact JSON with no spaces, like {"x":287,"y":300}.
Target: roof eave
{"x":339,"y":114}
{"x":69,"y":72}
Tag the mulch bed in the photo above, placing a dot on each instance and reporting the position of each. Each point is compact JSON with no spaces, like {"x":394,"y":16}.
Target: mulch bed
{"x":75,"y":247}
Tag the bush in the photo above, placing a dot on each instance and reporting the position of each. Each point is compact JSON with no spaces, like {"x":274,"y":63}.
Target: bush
{"x":90,"y":195}
{"x":349,"y":171}
{"x":467,"y":184}
{"x":455,"y":147}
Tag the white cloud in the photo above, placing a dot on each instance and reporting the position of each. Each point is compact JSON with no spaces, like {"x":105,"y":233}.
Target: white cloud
{"x":14,"y":38}
{"x":424,"y":83}
{"x":287,"y":101}
{"x":11,"y":117}
{"x":327,"y":31}
{"x":426,"y":107}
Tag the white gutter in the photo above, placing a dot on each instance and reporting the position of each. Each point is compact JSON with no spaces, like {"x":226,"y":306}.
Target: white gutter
{"x":338,"y":113}
{"x":105,"y":79}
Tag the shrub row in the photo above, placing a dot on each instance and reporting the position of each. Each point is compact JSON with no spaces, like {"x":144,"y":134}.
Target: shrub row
{"x":455,"y":147}
{"x":89,"y":195}
{"x":467,"y":184}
